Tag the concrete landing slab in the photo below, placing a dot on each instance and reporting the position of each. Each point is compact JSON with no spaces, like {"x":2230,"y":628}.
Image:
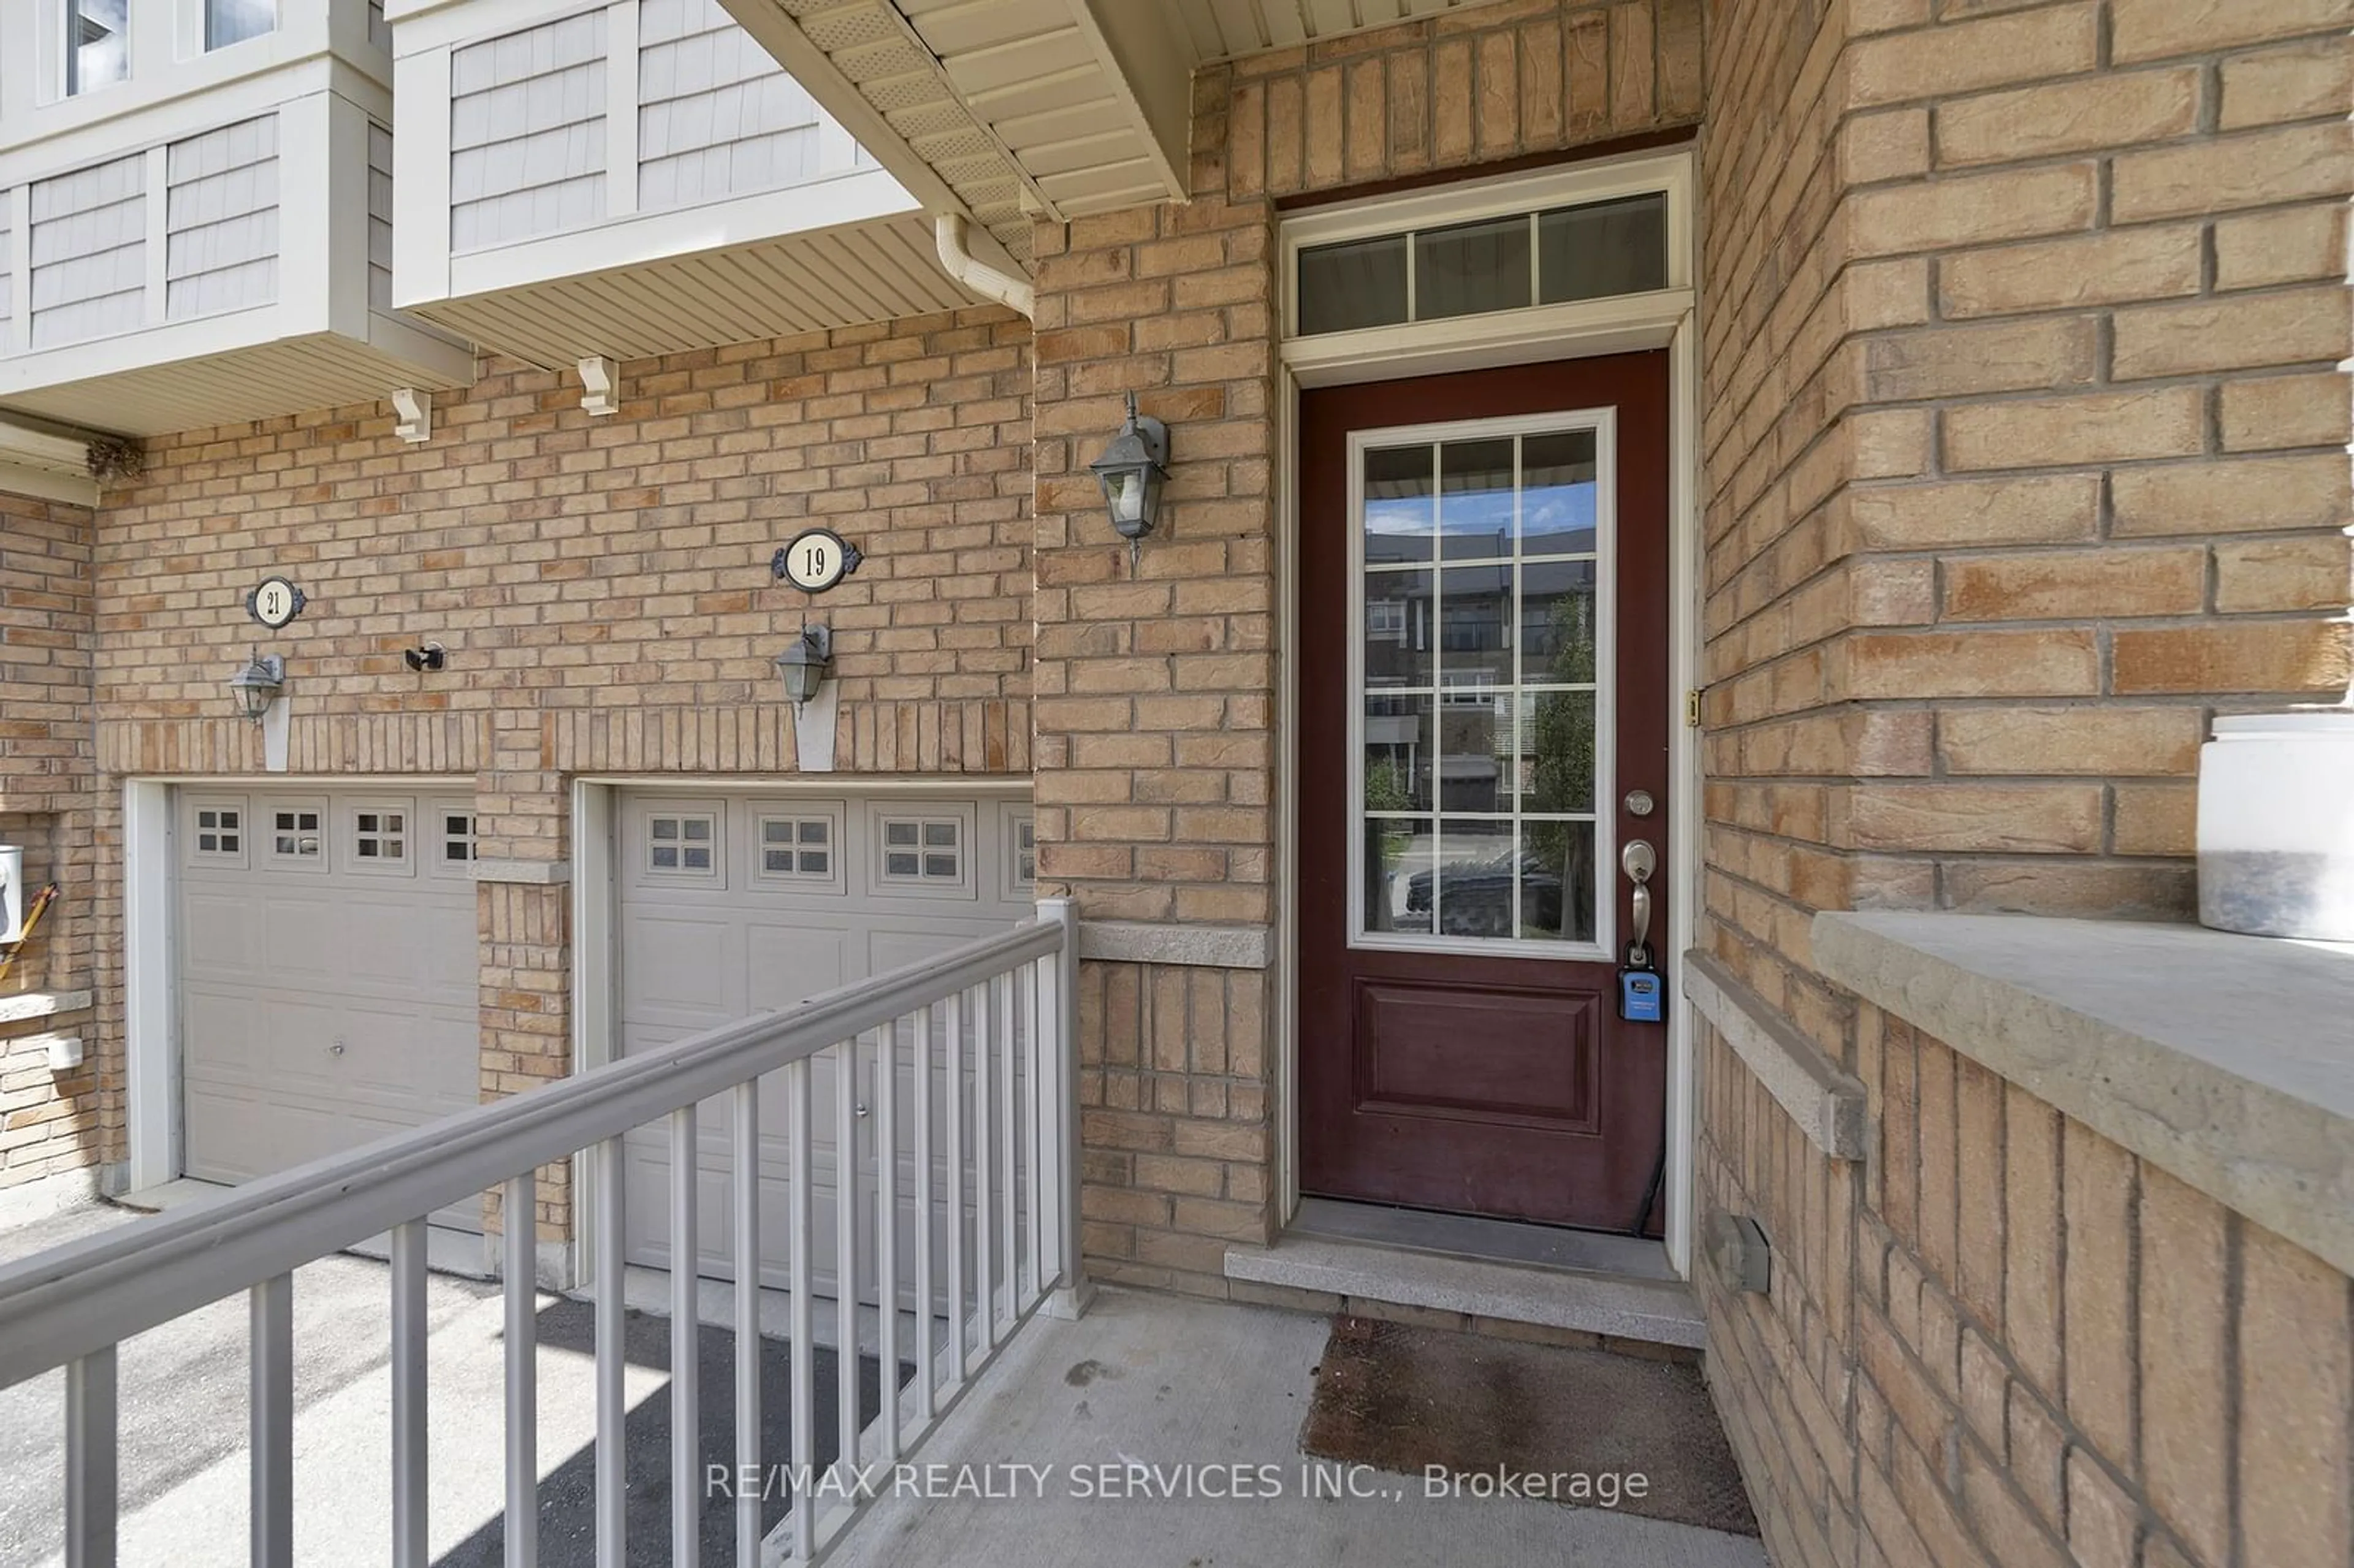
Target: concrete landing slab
{"x":1089,"y":1425}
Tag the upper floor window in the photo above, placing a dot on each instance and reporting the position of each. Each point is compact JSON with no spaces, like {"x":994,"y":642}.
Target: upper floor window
{"x":97,"y":40}
{"x":230,"y":22}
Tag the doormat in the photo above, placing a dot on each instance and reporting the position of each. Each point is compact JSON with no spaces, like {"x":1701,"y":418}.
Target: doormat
{"x":1575,"y":1426}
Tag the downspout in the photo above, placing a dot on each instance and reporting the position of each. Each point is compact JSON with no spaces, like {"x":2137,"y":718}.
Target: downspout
{"x":978,"y":275}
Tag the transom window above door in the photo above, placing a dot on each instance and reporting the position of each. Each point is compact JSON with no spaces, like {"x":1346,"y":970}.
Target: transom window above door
{"x":1481,"y":655}
{"x":1549,"y":256}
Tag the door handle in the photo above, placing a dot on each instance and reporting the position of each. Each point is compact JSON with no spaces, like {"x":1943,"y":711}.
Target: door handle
{"x":1640,"y":859}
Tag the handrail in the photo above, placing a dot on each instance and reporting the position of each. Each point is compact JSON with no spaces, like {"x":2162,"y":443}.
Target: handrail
{"x":71,"y":1301}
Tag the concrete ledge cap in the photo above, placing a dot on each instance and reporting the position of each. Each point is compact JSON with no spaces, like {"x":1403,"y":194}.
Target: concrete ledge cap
{"x":2223,"y":1060}
{"x":531,"y":872}
{"x":1827,"y":1103}
{"x":1199,"y":947}
{"x":41,"y":1004}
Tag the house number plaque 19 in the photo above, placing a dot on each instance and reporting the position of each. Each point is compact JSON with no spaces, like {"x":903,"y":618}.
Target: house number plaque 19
{"x":816,"y":560}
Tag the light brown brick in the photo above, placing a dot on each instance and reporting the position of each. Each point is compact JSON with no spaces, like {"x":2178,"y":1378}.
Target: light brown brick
{"x":1960,"y":57}
{"x":2296,"y":1387}
{"x":2158,"y":262}
{"x":2299,"y":326}
{"x":2315,"y":572}
{"x":2100,"y":1201}
{"x":1973,"y":209}
{"x":2103,"y":1521}
{"x":1904,"y":367}
{"x":2294,"y":245}
{"x":2261,"y":168}
{"x":2055,"y":583}
{"x":2029,"y":819}
{"x":2246,"y":495}
{"x":2107,"y":110}
{"x":2236,"y":658}
{"x":2105,"y":741}
{"x":2100,"y":427}
{"x":2043,"y":510}
{"x":2299,"y":81}
{"x":2185,"y":1399}
{"x":2274,"y":413}
{"x":2148,"y":29}
{"x":1971,"y":664}
{"x":2156,"y":819}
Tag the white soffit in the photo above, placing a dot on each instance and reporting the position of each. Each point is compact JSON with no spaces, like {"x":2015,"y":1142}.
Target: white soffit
{"x":1221,"y":30}
{"x":1001,"y":109}
{"x":809,"y":282}
{"x":264,"y":381}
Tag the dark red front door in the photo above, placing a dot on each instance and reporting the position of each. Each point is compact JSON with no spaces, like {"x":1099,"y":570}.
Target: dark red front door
{"x":1484,"y":690}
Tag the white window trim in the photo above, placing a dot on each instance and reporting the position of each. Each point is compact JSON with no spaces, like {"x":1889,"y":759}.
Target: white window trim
{"x":1011,"y":820}
{"x":837,"y":877}
{"x":1604,"y":423}
{"x":236,"y":859}
{"x":347,"y":836}
{"x":966,"y":883}
{"x":643,"y":828}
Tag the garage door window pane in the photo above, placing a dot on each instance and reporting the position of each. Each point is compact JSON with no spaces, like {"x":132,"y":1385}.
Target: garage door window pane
{"x":682,"y":844}
{"x":380,"y":837}
{"x":457,"y":838}
{"x":923,"y":850}
{"x":797,"y":846}
{"x":219,"y":831}
{"x":295,"y":834}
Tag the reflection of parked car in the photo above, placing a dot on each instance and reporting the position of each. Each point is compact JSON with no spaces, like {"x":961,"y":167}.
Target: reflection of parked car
{"x":1474,"y":897}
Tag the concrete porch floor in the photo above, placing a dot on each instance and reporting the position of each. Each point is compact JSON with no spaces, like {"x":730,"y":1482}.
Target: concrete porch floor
{"x":1175,"y":1382}
{"x":1166,"y":1381}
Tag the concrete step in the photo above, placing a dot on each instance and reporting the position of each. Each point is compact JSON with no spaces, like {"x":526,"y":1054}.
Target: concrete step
{"x":1653,"y":1312}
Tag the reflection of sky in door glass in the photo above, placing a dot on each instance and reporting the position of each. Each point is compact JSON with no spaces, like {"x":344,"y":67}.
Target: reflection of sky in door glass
{"x":1397,"y":504}
{"x":1475,"y":499}
{"x":1557,"y":503}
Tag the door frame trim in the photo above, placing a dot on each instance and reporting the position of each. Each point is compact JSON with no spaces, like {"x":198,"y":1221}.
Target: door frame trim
{"x":1667,"y":319}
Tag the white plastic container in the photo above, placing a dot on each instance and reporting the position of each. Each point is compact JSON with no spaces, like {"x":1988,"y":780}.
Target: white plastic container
{"x":2277,"y":825}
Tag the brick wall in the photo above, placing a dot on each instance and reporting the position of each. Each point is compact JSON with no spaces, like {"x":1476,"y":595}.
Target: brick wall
{"x":2004,"y":1342}
{"x":2024,"y":444}
{"x":1157,"y":724}
{"x":2023,"y":457}
{"x":603,"y":590}
{"x":50,"y":1123}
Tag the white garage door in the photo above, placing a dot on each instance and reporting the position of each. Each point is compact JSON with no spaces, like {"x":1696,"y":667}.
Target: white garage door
{"x":328,"y":975}
{"x":735,"y":905}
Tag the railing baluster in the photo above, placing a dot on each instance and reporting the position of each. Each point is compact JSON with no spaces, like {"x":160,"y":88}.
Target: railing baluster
{"x":612,"y":1358}
{"x":952,"y":1076}
{"x":886,"y":1241}
{"x":1033,"y":1122}
{"x":845,"y":1250}
{"x":1057,"y":1064}
{"x":925,"y":1402}
{"x":519,"y":1213}
{"x":410,"y":1493}
{"x":92,"y":1491}
{"x":1003,"y":985}
{"x":685,"y":1333}
{"x":271,"y":1390}
{"x":747,"y":1324}
{"x":801,"y":1243}
{"x":984,"y":1218}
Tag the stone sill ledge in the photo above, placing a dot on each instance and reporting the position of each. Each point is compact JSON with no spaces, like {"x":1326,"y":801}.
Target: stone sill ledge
{"x":2227,"y":1062}
{"x":24,"y":1004}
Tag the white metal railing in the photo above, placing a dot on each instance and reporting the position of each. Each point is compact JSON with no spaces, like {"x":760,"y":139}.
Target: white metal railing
{"x":998,"y":1016}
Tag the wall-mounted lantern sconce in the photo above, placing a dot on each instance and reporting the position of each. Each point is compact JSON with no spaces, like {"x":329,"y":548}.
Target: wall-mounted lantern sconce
{"x":806,"y":662}
{"x":258,"y":684}
{"x":425,"y":657}
{"x":1131,"y":472}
